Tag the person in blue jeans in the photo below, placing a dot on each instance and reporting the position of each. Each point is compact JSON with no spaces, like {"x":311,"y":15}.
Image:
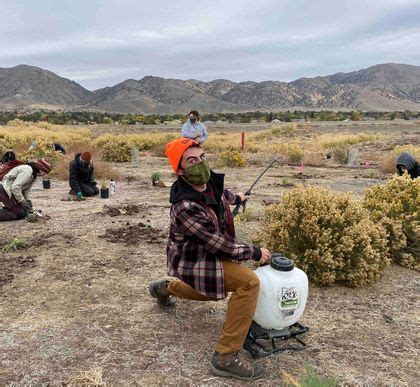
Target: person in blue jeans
{"x":193,"y":128}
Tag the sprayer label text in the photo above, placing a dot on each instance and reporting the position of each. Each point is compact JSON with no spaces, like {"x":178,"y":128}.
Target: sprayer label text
{"x":288,"y":298}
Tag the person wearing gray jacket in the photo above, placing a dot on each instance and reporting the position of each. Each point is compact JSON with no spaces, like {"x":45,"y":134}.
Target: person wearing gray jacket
{"x":407,"y":162}
{"x":15,"y":189}
{"x":194,"y":129}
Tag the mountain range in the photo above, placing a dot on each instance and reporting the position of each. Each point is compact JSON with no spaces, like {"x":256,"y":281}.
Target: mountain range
{"x":381,"y":87}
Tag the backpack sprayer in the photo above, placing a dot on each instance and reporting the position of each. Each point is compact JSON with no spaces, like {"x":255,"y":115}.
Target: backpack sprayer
{"x":281,"y":302}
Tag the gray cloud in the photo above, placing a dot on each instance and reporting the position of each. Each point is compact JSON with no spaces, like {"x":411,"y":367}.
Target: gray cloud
{"x":100,"y":43}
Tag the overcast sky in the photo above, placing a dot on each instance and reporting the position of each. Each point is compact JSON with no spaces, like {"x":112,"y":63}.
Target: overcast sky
{"x":101,"y":43}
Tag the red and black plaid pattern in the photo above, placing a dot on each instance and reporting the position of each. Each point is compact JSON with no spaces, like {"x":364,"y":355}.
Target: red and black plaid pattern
{"x":196,"y":246}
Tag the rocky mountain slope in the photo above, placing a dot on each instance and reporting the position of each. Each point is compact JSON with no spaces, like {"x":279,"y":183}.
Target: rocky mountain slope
{"x":381,"y":87}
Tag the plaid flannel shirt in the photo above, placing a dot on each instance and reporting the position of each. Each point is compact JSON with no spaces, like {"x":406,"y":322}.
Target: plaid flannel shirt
{"x":196,"y":245}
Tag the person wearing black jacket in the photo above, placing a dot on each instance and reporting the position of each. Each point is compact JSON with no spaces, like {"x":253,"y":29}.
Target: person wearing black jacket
{"x":407,"y":162}
{"x":81,"y":178}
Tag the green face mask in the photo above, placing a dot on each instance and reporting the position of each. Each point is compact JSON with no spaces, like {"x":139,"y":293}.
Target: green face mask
{"x":198,"y":174}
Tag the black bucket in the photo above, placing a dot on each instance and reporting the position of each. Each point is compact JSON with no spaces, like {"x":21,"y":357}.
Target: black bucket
{"x":46,"y":184}
{"x":104,"y":193}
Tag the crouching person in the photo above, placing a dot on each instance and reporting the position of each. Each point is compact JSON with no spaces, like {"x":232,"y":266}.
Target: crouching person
{"x":81,"y":179}
{"x":203,"y":255}
{"x":15,"y":189}
{"x":407,"y":162}
{"x":8,"y":162}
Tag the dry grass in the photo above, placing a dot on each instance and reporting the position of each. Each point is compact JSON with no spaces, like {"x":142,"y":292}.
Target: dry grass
{"x":387,"y":163}
{"x":328,"y":141}
{"x":92,"y":377}
{"x":341,"y":153}
{"x":103,"y":169}
{"x":313,"y":158}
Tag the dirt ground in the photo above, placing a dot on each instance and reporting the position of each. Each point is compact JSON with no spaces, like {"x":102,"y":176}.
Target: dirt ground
{"x":76,"y":299}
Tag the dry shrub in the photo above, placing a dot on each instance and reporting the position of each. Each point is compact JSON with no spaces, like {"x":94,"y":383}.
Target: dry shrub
{"x":313,"y":158}
{"x":387,"y":164}
{"x":341,"y":154}
{"x":414,"y":150}
{"x":331,"y":237}
{"x":102,"y":169}
{"x":295,"y":153}
{"x":105,"y":170}
{"x":328,"y":141}
{"x":395,"y":207}
{"x":231,"y":158}
{"x":159,"y":150}
{"x":92,"y":377}
{"x":117,"y":150}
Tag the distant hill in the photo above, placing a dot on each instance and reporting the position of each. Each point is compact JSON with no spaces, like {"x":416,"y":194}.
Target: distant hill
{"x":31,"y":86}
{"x":381,"y":87}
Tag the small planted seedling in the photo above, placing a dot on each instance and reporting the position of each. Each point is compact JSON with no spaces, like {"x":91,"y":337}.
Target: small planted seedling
{"x":104,"y":189}
{"x":155,"y":178}
{"x":104,"y":184}
{"x":285,"y":181}
{"x":15,"y":244}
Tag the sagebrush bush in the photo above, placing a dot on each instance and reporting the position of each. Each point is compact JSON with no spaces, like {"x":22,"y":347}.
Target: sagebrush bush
{"x":395,"y":206}
{"x":231,"y":158}
{"x":295,"y":153}
{"x":331,"y":237}
{"x":341,"y":154}
{"x":414,"y":150}
{"x":118,"y":151}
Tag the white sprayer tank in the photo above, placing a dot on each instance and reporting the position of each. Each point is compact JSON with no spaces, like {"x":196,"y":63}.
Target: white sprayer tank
{"x":283,"y":293}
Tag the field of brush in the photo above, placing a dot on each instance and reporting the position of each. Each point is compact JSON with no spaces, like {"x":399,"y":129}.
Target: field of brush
{"x":74,"y":302}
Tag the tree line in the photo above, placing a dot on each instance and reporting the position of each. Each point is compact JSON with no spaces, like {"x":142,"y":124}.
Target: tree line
{"x":87,"y":117}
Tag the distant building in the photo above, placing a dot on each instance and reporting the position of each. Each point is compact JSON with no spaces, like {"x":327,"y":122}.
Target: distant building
{"x":276,"y":121}
{"x":208,"y":122}
{"x":298,"y":120}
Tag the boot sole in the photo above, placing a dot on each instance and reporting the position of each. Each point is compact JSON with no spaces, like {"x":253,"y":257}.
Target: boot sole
{"x":228,"y":374}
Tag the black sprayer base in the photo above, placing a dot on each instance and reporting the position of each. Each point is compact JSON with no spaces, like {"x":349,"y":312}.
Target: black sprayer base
{"x":262,"y":342}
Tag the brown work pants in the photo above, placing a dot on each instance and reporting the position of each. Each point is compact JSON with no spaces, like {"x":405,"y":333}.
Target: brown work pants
{"x":244,"y":285}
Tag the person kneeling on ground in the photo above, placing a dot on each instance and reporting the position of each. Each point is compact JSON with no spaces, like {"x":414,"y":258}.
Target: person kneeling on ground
{"x":81,"y":178}
{"x":15,"y":189}
{"x":407,"y":162}
{"x":8,"y":162}
{"x":202,"y":253}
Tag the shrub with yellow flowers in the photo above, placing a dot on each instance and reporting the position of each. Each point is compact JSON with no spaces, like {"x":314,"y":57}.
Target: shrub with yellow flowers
{"x":231,"y":158}
{"x":329,"y":236}
{"x":395,"y":206}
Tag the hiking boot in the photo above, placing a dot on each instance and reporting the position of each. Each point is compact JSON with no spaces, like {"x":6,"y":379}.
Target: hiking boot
{"x":159,"y":290}
{"x":230,"y":365}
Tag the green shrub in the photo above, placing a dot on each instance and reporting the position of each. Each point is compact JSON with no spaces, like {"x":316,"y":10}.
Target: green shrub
{"x":15,"y":244}
{"x":395,"y":207}
{"x":310,"y":378}
{"x":231,"y":158}
{"x":331,"y":237}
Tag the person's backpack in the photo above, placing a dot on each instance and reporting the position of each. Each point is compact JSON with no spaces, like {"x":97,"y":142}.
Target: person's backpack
{"x":8,"y":166}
